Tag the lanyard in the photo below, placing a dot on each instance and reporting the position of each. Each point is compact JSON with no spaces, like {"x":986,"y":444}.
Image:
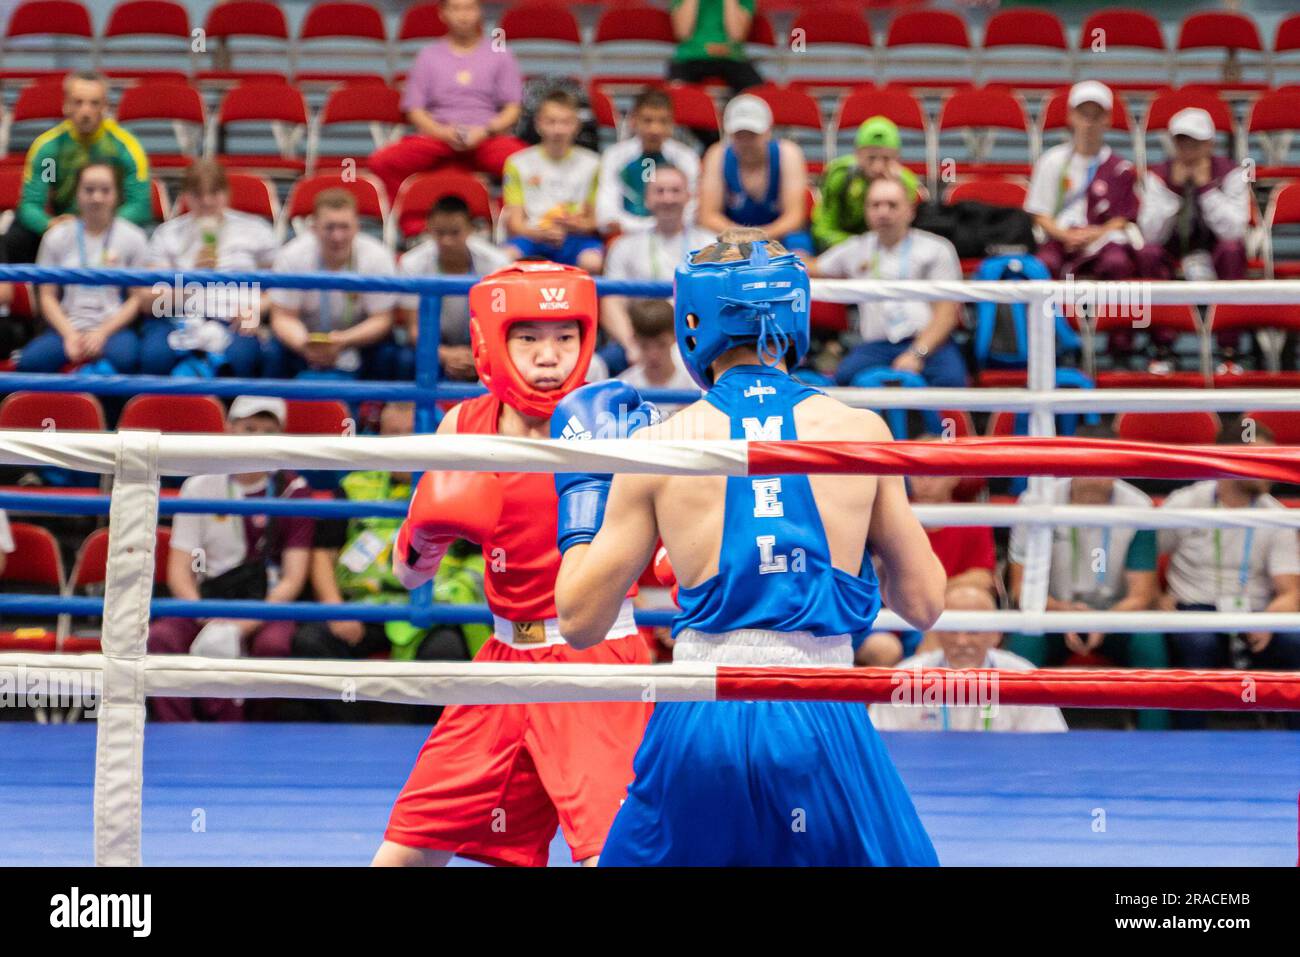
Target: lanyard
{"x":1062,"y":199}
{"x":234,"y":491}
{"x":904,"y":255}
{"x":1243,"y":573}
{"x":81,"y":244}
{"x":1074,"y":559}
{"x":986,"y":717}
{"x":349,"y":298}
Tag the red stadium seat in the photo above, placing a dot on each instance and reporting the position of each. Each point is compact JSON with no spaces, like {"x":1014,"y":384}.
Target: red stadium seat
{"x":35,"y":559}
{"x":377,"y":108}
{"x":1285,"y":426}
{"x":372,"y":203}
{"x":1228,"y":33}
{"x":945,"y":41}
{"x":979,"y":113}
{"x":421,"y":191}
{"x":602,"y":108}
{"x":63,"y":411}
{"x":1181,"y":319}
{"x":1120,"y":29}
{"x":1274,"y":118}
{"x":692,"y":107}
{"x":160,"y":204}
{"x":250,"y":194}
{"x":994,"y":192}
{"x":38,"y":107}
{"x":275,"y":104}
{"x":632,"y":43}
{"x":176,"y":106}
{"x":544,"y":37}
{"x":11,"y":187}
{"x":248,"y":28}
{"x":1168,"y":428}
{"x":892,"y":102}
{"x":1268,"y":324}
{"x":152,"y":29}
{"x":173,"y":413}
{"x":837,"y":44}
{"x":1039,"y":31}
{"x":325,"y":417}
{"x":321,"y":36}
{"x":33,"y":20}
{"x":421,"y":22}
{"x":1283,"y":210}
{"x":1286,"y":42}
{"x":795,"y":112}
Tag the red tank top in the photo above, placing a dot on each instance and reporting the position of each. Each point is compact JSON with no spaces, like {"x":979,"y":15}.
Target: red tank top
{"x":521,"y":557}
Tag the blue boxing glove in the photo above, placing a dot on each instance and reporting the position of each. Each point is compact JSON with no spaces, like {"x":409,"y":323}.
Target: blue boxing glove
{"x":603,"y":410}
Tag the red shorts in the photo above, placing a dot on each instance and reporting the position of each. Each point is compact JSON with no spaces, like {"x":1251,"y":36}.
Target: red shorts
{"x":493,"y":781}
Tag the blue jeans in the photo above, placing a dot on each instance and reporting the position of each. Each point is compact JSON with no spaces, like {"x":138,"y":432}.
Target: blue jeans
{"x":243,"y":355}
{"x":944,"y":368}
{"x":1207,"y":649}
{"x":45,"y":353}
{"x":383,"y":360}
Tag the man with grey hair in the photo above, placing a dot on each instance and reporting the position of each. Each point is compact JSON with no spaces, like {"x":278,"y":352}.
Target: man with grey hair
{"x":86,"y":134}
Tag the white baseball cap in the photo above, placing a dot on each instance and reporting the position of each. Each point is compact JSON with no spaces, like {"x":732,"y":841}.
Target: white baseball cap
{"x":1192,"y":122}
{"x":249,"y":405}
{"x":747,"y":112}
{"x":1090,"y":91}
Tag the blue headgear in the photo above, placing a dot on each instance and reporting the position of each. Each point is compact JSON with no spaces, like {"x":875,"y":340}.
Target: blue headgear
{"x":761,"y":299}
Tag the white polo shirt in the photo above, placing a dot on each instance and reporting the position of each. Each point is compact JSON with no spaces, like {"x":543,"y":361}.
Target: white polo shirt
{"x":244,"y":244}
{"x":650,"y":256}
{"x":69,"y":246}
{"x":326,"y":311}
{"x":422,"y":260}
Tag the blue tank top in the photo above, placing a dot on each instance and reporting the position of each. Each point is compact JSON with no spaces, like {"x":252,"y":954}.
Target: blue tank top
{"x":774,"y":564}
{"x":743,"y":209}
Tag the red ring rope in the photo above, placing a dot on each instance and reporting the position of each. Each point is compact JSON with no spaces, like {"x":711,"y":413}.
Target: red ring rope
{"x":1065,"y":688}
{"x":1026,"y":456}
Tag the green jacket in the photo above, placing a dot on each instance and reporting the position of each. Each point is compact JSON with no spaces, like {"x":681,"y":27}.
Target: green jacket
{"x":841,"y":213}
{"x":50,"y":173}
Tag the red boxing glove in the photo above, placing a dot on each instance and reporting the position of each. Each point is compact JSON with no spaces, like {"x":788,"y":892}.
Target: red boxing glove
{"x":446,"y":506}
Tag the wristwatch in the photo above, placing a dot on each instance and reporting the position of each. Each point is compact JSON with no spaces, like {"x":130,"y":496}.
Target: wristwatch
{"x":921,"y":352}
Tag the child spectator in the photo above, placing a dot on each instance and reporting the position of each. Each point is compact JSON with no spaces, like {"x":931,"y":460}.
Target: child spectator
{"x":89,"y":324}
{"x":629,"y":166}
{"x":225,"y":557}
{"x":331,"y":332}
{"x":451,"y":250}
{"x":841,"y":210}
{"x":549,"y":192}
{"x":661,"y":365}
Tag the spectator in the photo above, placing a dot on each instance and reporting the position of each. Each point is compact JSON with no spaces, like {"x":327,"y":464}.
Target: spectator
{"x":1082,"y":195}
{"x":452,"y":250}
{"x":218,"y":323}
{"x":965,"y":650}
{"x":965,"y":551}
{"x":1095,"y":569}
{"x":648,"y":256}
{"x":86,"y":135}
{"x":462,"y":96}
{"x":224,"y":557}
{"x":630,"y":166}
{"x":352,"y":562}
{"x":330,"y":332}
{"x":1194,"y":215}
{"x":660,"y":365}
{"x":711,"y":42}
{"x":6,"y":540}
{"x":549,"y":192}
{"x":755,"y":179}
{"x":89,"y":324}
{"x":907,"y":336}
{"x":840,"y":212}
{"x":1236,"y":570}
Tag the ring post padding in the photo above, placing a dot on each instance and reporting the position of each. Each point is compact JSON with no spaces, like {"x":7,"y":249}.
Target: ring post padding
{"x":119,"y":744}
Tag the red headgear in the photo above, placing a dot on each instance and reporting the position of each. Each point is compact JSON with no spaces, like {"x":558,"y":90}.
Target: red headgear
{"x":529,"y":292}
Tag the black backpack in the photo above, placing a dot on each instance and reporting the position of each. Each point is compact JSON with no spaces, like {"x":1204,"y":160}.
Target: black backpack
{"x":978,"y":230}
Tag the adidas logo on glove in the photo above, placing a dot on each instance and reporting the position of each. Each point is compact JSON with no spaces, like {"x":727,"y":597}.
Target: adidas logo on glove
{"x":574,"y":429}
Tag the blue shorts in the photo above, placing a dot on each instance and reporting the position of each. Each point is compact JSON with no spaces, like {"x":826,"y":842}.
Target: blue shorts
{"x":753,"y":783}
{"x":575,"y":244}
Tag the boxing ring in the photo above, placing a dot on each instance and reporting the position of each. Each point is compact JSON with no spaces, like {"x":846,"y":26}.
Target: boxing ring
{"x":1004,"y":781}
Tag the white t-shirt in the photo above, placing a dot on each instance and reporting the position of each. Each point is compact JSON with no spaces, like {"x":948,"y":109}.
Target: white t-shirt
{"x":422,"y":260}
{"x":919,"y":255}
{"x":1061,"y":176}
{"x":1206,"y":563}
{"x":244,"y":244}
{"x":6,"y":535}
{"x":69,"y":246}
{"x":539,"y":185}
{"x":220,"y":536}
{"x":922,"y":717}
{"x":1075,"y":574}
{"x":334,"y":309}
{"x":649,"y":255}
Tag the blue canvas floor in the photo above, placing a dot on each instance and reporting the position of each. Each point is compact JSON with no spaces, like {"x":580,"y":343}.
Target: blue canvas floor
{"x":279,"y":794}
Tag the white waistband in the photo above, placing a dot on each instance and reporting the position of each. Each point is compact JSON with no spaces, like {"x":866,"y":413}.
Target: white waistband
{"x":756,"y":646}
{"x":539,"y":634}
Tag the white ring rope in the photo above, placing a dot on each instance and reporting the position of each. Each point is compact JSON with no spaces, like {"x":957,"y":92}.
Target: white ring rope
{"x":1257,"y":292}
{"x":1101,"y":516}
{"x":1063,"y":401}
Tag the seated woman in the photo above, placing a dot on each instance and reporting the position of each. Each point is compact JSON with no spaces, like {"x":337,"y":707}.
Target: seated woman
{"x":89,"y":324}
{"x":214,"y":327}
